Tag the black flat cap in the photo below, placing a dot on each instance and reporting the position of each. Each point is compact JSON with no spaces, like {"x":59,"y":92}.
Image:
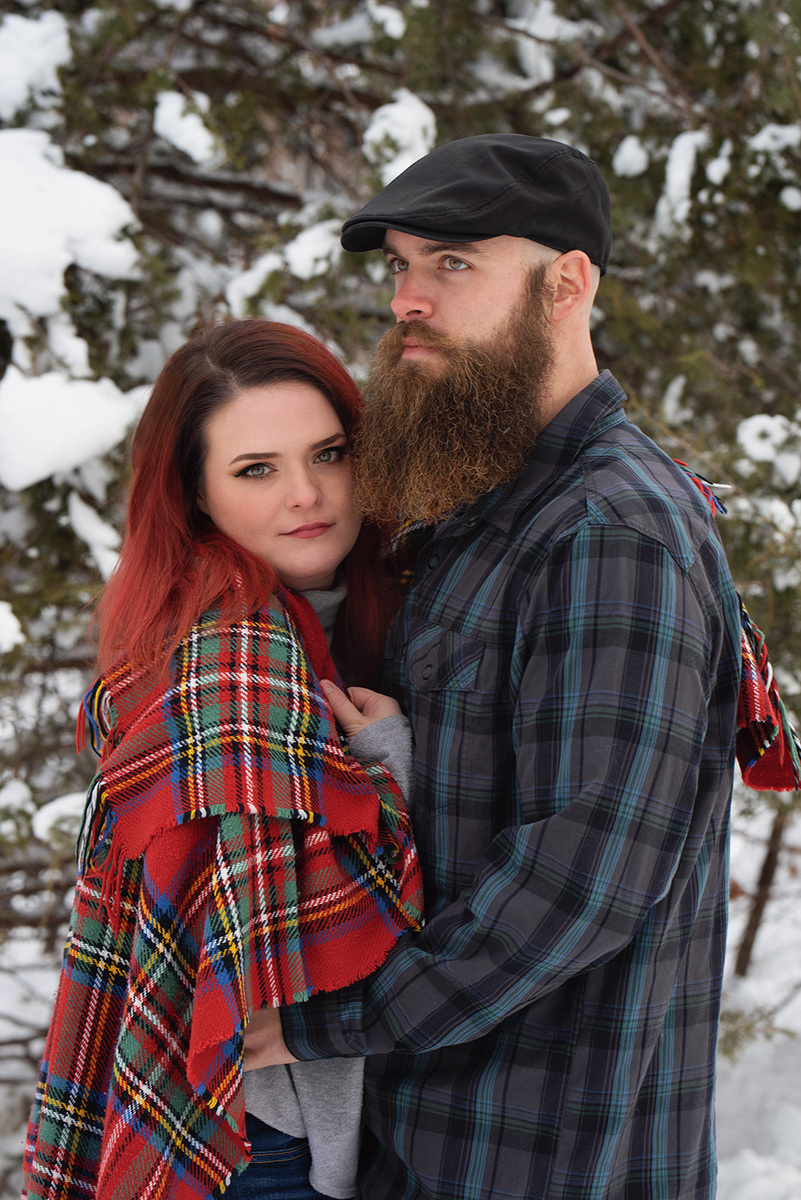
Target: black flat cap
{"x":490,"y":185}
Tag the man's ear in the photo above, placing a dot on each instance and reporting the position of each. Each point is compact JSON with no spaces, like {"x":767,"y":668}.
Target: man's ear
{"x":574,"y":282}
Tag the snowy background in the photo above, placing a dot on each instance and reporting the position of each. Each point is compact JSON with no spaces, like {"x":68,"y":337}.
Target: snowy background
{"x":759,"y":1093}
{"x":61,"y":418}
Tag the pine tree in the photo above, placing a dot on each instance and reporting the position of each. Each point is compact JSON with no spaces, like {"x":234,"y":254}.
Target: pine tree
{"x":242,"y":133}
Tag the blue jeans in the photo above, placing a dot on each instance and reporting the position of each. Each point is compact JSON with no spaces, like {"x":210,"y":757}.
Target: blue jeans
{"x":279,"y":1169}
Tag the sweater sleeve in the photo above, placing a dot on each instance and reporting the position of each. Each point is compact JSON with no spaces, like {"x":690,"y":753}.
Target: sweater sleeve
{"x":388,"y":741}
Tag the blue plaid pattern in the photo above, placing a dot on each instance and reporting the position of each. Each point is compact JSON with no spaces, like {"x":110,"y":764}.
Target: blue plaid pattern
{"x":569,"y":656}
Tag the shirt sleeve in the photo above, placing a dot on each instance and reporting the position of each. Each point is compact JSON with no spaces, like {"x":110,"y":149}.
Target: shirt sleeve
{"x":621,"y":663}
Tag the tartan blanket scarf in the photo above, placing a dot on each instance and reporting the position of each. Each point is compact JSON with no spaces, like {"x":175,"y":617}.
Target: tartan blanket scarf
{"x":768,"y":749}
{"x":767,"y":746}
{"x":233,"y":857}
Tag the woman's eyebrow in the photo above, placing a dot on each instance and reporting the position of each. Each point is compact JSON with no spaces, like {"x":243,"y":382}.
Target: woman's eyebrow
{"x":335,"y":437}
{"x":261,"y":454}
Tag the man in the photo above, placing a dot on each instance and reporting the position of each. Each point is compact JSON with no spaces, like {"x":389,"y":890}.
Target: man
{"x":569,"y":657}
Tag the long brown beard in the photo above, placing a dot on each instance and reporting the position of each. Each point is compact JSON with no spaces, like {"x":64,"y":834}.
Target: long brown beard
{"x":432,"y":441}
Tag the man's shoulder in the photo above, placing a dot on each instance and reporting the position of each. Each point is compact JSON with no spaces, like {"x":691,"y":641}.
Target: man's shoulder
{"x":620,"y":479}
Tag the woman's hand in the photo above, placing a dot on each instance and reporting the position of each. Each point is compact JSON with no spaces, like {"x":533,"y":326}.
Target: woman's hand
{"x":359,"y":707}
{"x":264,"y":1041}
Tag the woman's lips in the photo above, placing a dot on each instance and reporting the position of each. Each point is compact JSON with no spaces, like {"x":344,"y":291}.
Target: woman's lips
{"x":312,"y":530}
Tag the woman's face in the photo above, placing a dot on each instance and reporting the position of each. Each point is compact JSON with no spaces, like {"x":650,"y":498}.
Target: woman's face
{"x":278,"y":480}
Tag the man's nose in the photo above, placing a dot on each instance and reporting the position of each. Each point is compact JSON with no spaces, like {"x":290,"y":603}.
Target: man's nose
{"x":411,"y":301}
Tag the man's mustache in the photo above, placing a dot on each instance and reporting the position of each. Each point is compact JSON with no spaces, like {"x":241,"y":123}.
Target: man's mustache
{"x":417,"y":331}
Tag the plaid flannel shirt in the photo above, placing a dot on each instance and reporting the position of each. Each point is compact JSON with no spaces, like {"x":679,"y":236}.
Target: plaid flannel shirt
{"x":569,"y":656}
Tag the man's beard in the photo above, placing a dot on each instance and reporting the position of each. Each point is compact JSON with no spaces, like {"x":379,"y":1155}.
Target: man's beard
{"x":434,"y":440}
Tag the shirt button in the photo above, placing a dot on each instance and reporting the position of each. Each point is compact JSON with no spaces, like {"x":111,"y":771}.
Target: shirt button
{"x":433,"y":560}
{"x":427,"y":671}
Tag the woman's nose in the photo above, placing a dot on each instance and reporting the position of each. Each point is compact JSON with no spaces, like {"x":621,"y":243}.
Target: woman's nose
{"x":303,"y":490}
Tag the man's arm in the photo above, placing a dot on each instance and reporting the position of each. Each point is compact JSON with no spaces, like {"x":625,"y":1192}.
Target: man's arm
{"x":619,"y":805}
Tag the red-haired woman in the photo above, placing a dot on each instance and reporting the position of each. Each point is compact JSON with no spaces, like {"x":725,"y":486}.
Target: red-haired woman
{"x":235,"y":853}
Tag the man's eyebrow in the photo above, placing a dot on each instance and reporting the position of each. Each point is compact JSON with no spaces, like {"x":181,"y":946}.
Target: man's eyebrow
{"x":436,"y":248}
{"x":263,"y":454}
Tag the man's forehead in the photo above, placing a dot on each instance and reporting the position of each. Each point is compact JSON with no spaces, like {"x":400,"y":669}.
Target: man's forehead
{"x":396,"y":240}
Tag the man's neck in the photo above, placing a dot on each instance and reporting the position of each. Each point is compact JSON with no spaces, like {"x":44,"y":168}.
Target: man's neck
{"x":571,"y":374}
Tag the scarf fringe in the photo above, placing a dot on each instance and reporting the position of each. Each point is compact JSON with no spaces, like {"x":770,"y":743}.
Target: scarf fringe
{"x":768,"y":747}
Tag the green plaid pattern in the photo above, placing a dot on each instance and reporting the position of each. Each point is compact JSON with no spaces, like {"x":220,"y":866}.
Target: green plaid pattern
{"x":569,"y":656}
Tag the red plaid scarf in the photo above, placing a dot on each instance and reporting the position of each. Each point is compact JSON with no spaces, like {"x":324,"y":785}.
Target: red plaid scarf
{"x":233,"y":857}
{"x":768,"y":749}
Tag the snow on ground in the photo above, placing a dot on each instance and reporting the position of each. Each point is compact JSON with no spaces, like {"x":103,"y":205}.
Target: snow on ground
{"x":759,"y":1095}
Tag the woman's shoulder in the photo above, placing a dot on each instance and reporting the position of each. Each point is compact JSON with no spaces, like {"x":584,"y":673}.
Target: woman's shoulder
{"x":267,"y":636}
{"x":212,"y":628}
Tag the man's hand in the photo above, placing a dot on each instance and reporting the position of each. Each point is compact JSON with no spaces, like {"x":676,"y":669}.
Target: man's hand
{"x":358,"y":708}
{"x":264,"y":1041}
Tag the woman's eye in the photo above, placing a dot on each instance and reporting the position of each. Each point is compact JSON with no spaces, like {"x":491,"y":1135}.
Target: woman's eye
{"x":331,"y":454}
{"x":254,"y":471}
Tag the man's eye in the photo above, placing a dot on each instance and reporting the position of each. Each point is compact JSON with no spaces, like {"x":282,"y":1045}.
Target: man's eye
{"x":396,"y":265}
{"x":455,"y":264}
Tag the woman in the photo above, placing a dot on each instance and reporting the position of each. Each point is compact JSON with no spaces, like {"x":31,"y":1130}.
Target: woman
{"x":234,"y":854}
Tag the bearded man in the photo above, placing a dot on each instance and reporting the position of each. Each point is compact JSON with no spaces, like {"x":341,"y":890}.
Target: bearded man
{"x":569,"y":656}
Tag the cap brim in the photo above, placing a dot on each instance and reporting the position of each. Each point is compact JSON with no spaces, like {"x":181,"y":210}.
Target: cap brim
{"x":358,"y":236}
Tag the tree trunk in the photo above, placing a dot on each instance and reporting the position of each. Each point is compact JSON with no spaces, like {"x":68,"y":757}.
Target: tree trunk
{"x":761,"y":895}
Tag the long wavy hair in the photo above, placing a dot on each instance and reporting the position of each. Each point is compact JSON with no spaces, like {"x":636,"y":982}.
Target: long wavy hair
{"x":174,"y":564}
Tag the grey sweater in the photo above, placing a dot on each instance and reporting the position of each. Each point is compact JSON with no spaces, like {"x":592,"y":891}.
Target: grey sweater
{"x":322,"y":1100}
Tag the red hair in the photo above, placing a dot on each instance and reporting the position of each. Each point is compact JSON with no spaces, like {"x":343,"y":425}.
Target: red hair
{"x":174,"y":564}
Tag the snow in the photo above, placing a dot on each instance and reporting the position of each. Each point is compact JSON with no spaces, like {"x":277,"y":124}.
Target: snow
{"x":31,"y":51}
{"x":398,"y":134}
{"x":630,"y":158}
{"x":39,"y":239}
{"x":762,"y":435}
{"x":775,"y":138}
{"x":361,"y":26}
{"x":314,"y":251}
{"x":102,"y":539}
{"x":675,"y":413}
{"x":61,"y":818}
{"x":52,"y":424}
{"x":538,"y":27}
{"x":351,"y":32}
{"x":389,"y":20}
{"x":791,"y":198}
{"x":673,"y":206}
{"x":719,"y":167}
{"x":11,"y":634}
{"x":175,"y":121}
{"x":759,"y":1094}
{"x":771,"y":438}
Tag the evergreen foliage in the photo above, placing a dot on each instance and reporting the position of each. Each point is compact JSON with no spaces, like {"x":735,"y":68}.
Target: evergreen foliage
{"x":692,"y":108}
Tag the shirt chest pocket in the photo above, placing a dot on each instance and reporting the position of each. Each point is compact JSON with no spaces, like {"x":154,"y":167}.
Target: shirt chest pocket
{"x":440,"y":659}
